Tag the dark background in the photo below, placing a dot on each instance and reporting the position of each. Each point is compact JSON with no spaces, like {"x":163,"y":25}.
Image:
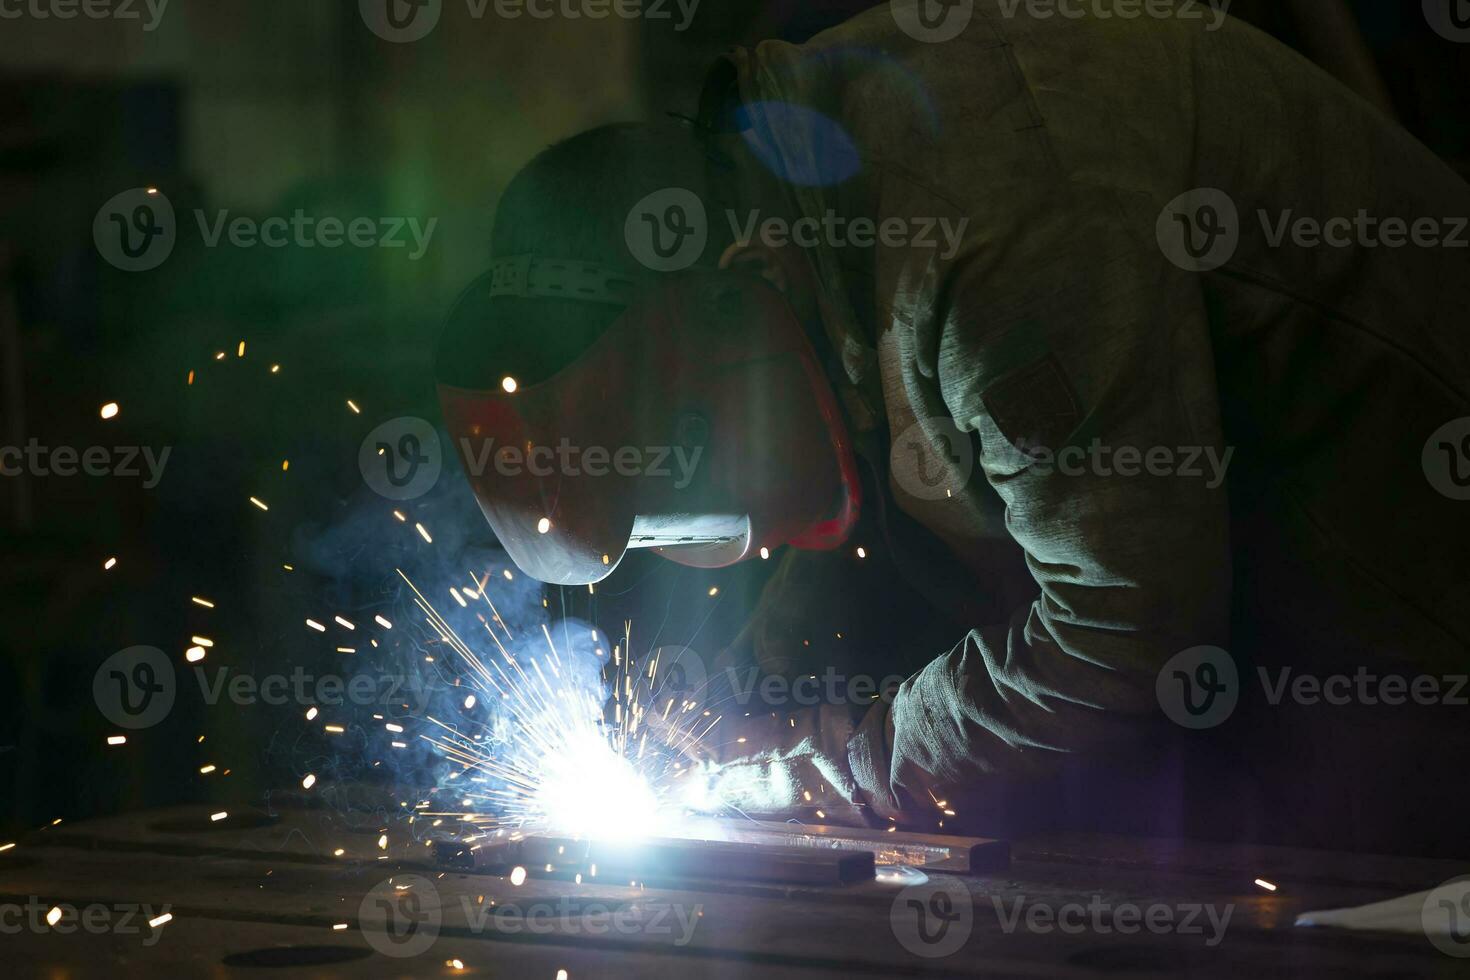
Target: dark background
{"x":262,"y":107}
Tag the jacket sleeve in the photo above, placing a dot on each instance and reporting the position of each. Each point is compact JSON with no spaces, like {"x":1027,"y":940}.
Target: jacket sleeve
{"x":1081,"y":360}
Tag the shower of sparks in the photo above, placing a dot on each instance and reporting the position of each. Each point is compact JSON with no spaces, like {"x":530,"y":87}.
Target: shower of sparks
{"x":553,"y":760}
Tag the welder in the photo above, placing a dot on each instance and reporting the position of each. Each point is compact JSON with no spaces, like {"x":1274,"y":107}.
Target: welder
{"x":1058,"y":291}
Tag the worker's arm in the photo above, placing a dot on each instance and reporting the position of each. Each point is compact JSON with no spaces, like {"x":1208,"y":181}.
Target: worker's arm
{"x":1056,"y":341}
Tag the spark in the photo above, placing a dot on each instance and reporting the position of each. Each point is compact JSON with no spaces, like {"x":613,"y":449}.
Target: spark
{"x":53,"y":916}
{"x":110,"y":410}
{"x":1266,"y":884}
{"x":108,"y":565}
{"x":161,"y":920}
{"x":117,"y":740}
{"x":206,"y":770}
{"x":217,"y":817}
{"x":508,"y":385}
{"x":424,"y":533}
{"x":259,"y":503}
{"x":201,"y":602}
{"x":316,"y":626}
{"x":382,"y":622}
{"x":543,"y":525}
{"x":194,"y":654}
{"x":862,"y":552}
{"x":548,"y":758}
{"x":309,"y":781}
{"x":353,"y":405}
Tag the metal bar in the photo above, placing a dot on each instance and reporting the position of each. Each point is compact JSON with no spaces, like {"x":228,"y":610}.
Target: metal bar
{"x":654,"y":860}
{"x":927,"y":852}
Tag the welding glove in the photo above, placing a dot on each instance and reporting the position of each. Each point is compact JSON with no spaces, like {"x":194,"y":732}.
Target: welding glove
{"x":794,"y":764}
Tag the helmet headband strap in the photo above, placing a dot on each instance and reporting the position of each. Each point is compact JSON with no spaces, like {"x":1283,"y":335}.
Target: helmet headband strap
{"x":531,"y":276}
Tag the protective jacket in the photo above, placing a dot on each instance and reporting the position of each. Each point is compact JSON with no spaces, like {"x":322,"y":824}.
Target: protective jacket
{"x":1156,"y":300}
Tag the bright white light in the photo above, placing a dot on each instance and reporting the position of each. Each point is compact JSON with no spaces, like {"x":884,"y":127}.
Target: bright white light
{"x":588,"y":790}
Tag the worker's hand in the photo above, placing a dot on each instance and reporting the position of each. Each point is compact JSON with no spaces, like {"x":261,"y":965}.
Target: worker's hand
{"x":781,"y":764}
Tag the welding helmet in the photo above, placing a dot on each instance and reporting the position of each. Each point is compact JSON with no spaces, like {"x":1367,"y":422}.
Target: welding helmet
{"x":699,"y":424}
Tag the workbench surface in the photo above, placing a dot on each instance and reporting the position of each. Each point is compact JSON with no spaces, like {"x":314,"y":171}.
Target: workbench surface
{"x":258,"y":890}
